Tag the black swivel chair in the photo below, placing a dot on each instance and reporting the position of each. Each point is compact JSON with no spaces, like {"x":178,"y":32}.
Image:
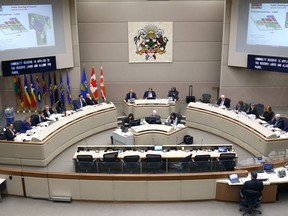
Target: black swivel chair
{"x":179,"y":118}
{"x":74,"y":104}
{"x":85,"y":164}
{"x":186,"y":163}
{"x":202,"y":163}
{"x":250,"y":202}
{"x":260,"y":109}
{"x":16,"y":125}
{"x":131,"y":164}
{"x":110,"y":162}
{"x":153,"y":163}
{"x":33,"y":119}
{"x":206,"y":98}
{"x":227,"y":161}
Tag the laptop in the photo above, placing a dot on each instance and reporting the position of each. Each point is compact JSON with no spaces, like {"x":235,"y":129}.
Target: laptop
{"x":158,"y":148}
{"x":234,"y":178}
{"x":268,"y":168}
{"x":222,"y":149}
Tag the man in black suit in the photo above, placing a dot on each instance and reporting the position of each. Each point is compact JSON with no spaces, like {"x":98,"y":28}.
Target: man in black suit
{"x":173,"y":93}
{"x":223,"y":101}
{"x":130,"y":96}
{"x":47,"y":111}
{"x":38,"y":119}
{"x":253,"y":184}
{"x":10,"y":133}
{"x":149,"y":94}
{"x":252,"y":110}
{"x":89,"y":100}
{"x":278,"y":122}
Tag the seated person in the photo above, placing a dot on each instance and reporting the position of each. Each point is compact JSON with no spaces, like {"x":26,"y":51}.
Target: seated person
{"x":10,"y":133}
{"x":130,"y":96}
{"x":241,"y":106}
{"x":26,"y":125}
{"x":60,"y":108}
{"x":173,"y":93}
{"x":172,"y":119}
{"x":278,"y":122}
{"x":47,"y":111}
{"x":155,"y":117}
{"x":268,"y":114}
{"x":89,"y":100}
{"x":41,"y":118}
{"x":223,"y":101}
{"x":80,"y":102}
{"x":127,"y":120}
{"x":150,"y":94}
{"x":252,"y":110}
{"x":253,"y":184}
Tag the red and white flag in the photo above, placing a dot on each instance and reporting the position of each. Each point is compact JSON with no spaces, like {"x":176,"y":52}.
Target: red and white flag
{"x":102,"y":85}
{"x":93,"y":84}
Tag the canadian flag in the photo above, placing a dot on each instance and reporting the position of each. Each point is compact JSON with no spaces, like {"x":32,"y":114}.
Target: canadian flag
{"x":93,"y":85}
{"x":102,"y":85}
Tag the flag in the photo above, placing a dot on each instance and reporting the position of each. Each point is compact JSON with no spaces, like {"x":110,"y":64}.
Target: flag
{"x":26,"y":93}
{"x":18,"y":90}
{"x":44,"y":90}
{"x":68,"y":89}
{"x":51,"y":93}
{"x":56,"y":93}
{"x":102,"y":85}
{"x":38,"y":90}
{"x":32,"y":92}
{"x":93,"y":84}
{"x":83,"y":86}
{"x":62,"y":98}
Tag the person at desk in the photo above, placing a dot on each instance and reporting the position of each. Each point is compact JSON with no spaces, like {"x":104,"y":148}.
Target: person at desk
{"x":47,"y":111}
{"x":172,"y":119}
{"x":10,"y":133}
{"x":26,"y":125}
{"x":89,"y":100}
{"x":223,"y":101}
{"x":156,"y":117}
{"x":60,"y":108}
{"x":268,"y":114}
{"x":252,"y":110}
{"x":41,"y":118}
{"x":173,"y":93}
{"x":150,"y":94}
{"x":241,"y":106}
{"x":278,"y":122}
{"x":253,"y":184}
{"x":130,"y":96}
{"x":80,"y":102}
{"x":126,"y":122}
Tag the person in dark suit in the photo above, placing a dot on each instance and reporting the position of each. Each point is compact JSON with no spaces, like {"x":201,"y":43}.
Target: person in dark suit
{"x":41,"y":118}
{"x":60,"y":108}
{"x":126,"y":122}
{"x":252,"y":110}
{"x":149,"y":94}
{"x":130,"y":96}
{"x":89,"y":100}
{"x":10,"y":133}
{"x":48,"y":111}
{"x":156,"y":116}
{"x":278,"y":122}
{"x":268,"y":114}
{"x":253,"y":184}
{"x":80,"y":102}
{"x":173,"y":93}
{"x":26,"y":125}
{"x":223,"y":101}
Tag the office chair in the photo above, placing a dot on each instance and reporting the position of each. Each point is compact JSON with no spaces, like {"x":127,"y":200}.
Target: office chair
{"x":250,"y":203}
{"x":202,"y":163}
{"x":179,"y":118}
{"x":131,"y":164}
{"x":260,"y":109}
{"x":74,"y":104}
{"x":110,"y":162}
{"x":228,"y":102}
{"x":227,"y":161}
{"x":153,"y":163}
{"x":186,"y":163}
{"x":16,"y":125}
{"x":245,"y":107}
{"x":33,"y":119}
{"x":206,"y":98}
{"x":85,"y":164}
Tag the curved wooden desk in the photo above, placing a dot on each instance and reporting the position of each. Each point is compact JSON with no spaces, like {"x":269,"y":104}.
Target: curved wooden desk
{"x":142,"y":107}
{"x":247,"y":133}
{"x":58,"y":136}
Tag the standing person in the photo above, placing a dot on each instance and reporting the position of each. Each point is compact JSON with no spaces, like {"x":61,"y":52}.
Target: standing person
{"x":48,"y":111}
{"x":223,"y":101}
{"x":172,"y":119}
{"x":10,"y":133}
{"x":26,"y":125}
{"x":130,"y":96}
{"x":173,"y":93}
{"x":89,"y":100}
{"x":149,"y":94}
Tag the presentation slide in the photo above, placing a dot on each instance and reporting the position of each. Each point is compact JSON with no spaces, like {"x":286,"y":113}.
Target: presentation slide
{"x":26,"y":26}
{"x":268,"y":24}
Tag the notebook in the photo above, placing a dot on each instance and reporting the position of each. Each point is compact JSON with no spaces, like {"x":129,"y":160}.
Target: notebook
{"x":234,"y":178}
{"x":268,"y":168}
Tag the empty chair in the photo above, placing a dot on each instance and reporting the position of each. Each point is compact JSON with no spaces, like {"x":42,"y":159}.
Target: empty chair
{"x":153,"y":163}
{"x":131,"y":164}
{"x":179,"y":118}
{"x":206,"y":98}
{"x":74,"y":104}
{"x":202,"y":163}
{"x":250,"y":202}
{"x":16,"y":125}
{"x":110,"y":162}
{"x":33,"y":119}
{"x":260,"y":109}
{"x":186,"y":163}
{"x":85,"y":163}
{"x":227,"y":161}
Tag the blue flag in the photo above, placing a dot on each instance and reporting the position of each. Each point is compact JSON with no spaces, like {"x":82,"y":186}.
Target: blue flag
{"x":62,"y":98}
{"x":68,"y":89}
{"x":84,"y":86}
{"x":39,"y":96}
{"x":51,"y":90}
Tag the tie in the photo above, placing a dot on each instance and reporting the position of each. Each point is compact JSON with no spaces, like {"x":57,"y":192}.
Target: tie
{"x":81,"y":104}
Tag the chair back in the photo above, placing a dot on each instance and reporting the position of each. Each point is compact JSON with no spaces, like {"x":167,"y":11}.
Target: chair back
{"x":74,"y":104}
{"x":260,"y":109}
{"x":33,"y":119}
{"x":251,"y":197}
{"x":227,"y":156}
{"x":110,"y":157}
{"x":16,"y":125}
{"x":206,"y":98}
{"x":179,"y":118}
{"x":131,"y":158}
{"x":153,"y":158}
{"x":84,"y":158}
{"x":202,"y":158}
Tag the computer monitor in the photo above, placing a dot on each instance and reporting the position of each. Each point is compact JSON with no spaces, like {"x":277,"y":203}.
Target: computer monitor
{"x":150,"y":120}
{"x":135,"y":122}
{"x":268,"y":166}
{"x":222,"y":149}
{"x":158,"y":148}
